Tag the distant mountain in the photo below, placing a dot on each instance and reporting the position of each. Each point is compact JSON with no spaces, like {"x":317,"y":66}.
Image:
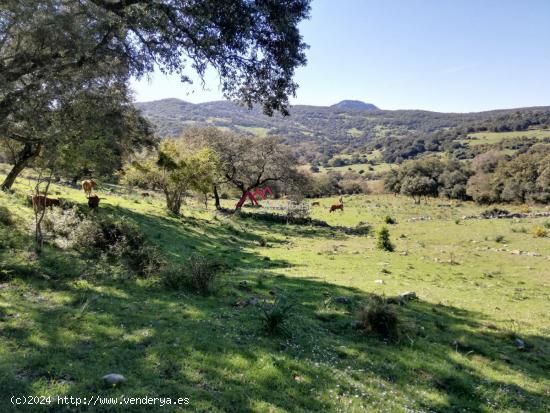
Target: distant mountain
{"x":319,"y":133}
{"x":354,"y":104}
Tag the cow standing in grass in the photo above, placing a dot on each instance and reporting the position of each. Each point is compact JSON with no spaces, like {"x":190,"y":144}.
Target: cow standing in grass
{"x":88,"y":185}
{"x":93,"y":201}
{"x":39,"y":202}
{"x":338,"y":206}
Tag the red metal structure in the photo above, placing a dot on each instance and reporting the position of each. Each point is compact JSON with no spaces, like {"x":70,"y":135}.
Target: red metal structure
{"x":252,"y":195}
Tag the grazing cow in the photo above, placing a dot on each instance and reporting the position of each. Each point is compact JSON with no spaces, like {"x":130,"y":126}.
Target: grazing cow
{"x":316,"y":203}
{"x":93,"y":201}
{"x":338,"y":206}
{"x":88,"y":185}
{"x":39,"y":202}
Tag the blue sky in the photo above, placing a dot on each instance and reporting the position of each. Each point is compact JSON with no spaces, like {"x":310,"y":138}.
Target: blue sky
{"x":442,"y":55}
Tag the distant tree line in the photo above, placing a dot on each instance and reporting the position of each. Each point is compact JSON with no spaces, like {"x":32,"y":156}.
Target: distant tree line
{"x":320,"y":134}
{"x":209,"y":161}
{"x":521,"y":178}
{"x":490,"y":177}
{"x":430,"y":177}
{"x":409,"y":144}
{"x":336,"y":183}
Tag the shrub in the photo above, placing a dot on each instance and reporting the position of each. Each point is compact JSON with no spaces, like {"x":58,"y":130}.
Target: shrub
{"x":120,"y":238}
{"x":380,"y":317}
{"x":383,"y":241}
{"x":297,"y":210}
{"x":5,"y":216}
{"x":175,"y":278}
{"x":62,"y":226}
{"x":198,"y":275}
{"x":499,"y":238}
{"x":494,"y":213}
{"x":275,"y":315}
{"x":389,"y":220}
{"x":116,"y":238}
{"x":362,"y":228}
{"x":540,"y":232}
{"x":546,"y":224}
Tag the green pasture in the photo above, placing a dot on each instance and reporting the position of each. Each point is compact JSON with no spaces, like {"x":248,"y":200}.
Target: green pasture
{"x":66,"y":320}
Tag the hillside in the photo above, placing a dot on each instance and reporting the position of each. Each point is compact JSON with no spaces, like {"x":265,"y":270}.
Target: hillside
{"x":478,"y":294}
{"x":354,"y":104}
{"x":318,"y":133}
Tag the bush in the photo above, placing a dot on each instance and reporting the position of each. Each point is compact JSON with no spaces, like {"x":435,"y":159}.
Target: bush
{"x":198,"y":275}
{"x":389,"y":220}
{"x":380,"y":317}
{"x":540,"y":232}
{"x":494,"y":213}
{"x":383,"y":241}
{"x":175,"y":279}
{"x":62,"y":227}
{"x":499,"y":238}
{"x":116,"y":238}
{"x":546,"y":224}
{"x":120,"y":238}
{"x":275,"y":315}
{"x":362,"y":228}
{"x":297,"y":210}
{"x":5,"y":216}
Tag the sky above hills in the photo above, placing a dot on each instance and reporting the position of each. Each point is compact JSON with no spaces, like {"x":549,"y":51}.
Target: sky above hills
{"x":459,"y":56}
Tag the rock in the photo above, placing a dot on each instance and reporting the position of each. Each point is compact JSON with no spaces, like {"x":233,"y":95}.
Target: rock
{"x":114,"y":379}
{"x":243,"y":285}
{"x":379,"y":281}
{"x":409,"y":295}
{"x":505,"y":358}
{"x":240,"y":303}
{"x":356,"y":325}
{"x":253,"y":300}
{"x":520,"y":344}
{"x":459,"y":346}
{"x":341,"y":300}
{"x":394,"y":300}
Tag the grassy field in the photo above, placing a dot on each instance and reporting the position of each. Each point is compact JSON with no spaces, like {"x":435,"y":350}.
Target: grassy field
{"x":66,"y":320}
{"x":491,"y":138}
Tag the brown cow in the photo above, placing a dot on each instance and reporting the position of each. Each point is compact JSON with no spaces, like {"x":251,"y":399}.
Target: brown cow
{"x":88,"y":185}
{"x":39,"y":202}
{"x":93,"y":201}
{"x":316,"y":203}
{"x":338,"y":206}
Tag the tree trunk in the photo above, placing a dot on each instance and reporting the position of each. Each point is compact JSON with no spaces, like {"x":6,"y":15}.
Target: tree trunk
{"x":27,"y":154}
{"x":217,"y":198}
{"x":173,"y":202}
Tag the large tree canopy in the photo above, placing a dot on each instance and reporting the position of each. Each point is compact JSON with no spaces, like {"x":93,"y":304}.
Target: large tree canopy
{"x":51,"y":48}
{"x":246,"y":162}
{"x":175,"y":169}
{"x":254,"y":45}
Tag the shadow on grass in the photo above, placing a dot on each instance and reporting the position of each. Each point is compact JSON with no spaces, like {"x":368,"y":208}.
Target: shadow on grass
{"x":61,"y":336}
{"x":172,"y":344}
